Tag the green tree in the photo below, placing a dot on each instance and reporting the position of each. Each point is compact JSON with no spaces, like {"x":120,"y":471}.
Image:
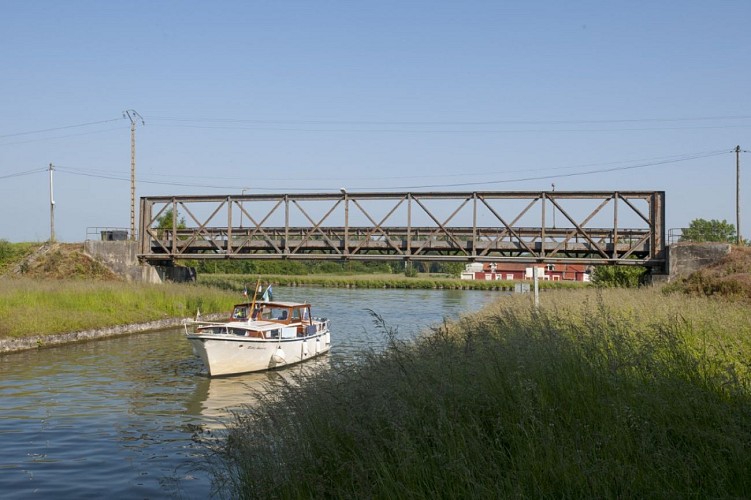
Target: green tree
{"x":701,"y":230}
{"x":164,"y":221}
{"x":451,"y":268}
{"x":410,"y":269}
{"x":618,"y":276}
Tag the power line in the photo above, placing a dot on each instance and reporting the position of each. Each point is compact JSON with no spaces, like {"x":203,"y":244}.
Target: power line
{"x":21,"y":174}
{"x":460,"y":126}
{"x":457,"y":131}
{"x":645,"y":164}
{"x":461,"y":123}
{"x":236,"y":124}
{"x":556,"y":176}
{"x":58,"y":128}
{"x":60,"y":136}
{"x":650,"y":160}
{"x":115,"y":177}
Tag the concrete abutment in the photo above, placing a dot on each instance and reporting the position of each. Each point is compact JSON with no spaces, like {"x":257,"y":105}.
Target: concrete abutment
{"x":122,"y":258}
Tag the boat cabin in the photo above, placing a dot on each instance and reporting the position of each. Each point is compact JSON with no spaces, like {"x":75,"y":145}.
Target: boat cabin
{"x":277,"y":312}
{"x":268,"y":320}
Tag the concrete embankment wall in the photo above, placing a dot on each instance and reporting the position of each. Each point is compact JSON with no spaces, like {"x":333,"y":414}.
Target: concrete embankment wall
{"x":685,"y":258}
{"x":39,"y":341}
{"x":15,"y":345}
{"x":122,"y":258}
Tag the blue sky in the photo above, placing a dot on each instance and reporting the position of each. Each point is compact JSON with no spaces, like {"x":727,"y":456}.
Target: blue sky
{"x":294,"y":96}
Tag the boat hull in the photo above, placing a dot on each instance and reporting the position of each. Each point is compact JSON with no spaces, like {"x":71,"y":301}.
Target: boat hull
{"x":230,"y":354}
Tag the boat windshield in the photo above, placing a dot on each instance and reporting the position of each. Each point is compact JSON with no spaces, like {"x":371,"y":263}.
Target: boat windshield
{"x":271,"y":313}
{"x":240,"y":312}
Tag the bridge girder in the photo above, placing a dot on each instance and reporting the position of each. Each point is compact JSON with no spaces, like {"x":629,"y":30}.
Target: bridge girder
{"x":588,"y":227}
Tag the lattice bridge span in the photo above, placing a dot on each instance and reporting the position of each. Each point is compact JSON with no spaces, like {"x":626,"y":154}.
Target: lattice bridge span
{"x":583,"y":227}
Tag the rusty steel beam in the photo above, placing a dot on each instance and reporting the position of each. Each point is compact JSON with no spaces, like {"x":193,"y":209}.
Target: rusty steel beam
{"x":595,"y":227}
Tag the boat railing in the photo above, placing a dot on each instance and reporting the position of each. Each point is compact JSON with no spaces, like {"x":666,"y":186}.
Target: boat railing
{"x":199,"y":323}
{"x":315,"y":327}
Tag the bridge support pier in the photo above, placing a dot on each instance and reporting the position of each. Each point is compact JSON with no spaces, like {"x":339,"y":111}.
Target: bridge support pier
{"x":122,"y":258}
{"x":685,"y":258}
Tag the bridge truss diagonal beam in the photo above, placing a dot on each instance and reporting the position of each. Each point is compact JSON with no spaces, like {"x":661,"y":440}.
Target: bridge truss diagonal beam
{"x":586,"y":227}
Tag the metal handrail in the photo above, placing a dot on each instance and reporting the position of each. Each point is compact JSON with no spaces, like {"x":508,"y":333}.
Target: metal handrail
{"x":97,"y":233}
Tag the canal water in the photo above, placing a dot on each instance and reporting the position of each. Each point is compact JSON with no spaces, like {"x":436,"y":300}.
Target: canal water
{"x":121,"y":417}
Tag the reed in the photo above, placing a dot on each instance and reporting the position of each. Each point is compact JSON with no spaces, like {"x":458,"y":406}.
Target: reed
{"x":34,"y":307}
{"x":237,"y":282}
{"x":597,"y":393}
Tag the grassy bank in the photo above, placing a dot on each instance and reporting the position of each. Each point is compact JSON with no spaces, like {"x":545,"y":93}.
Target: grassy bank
{"x":598,"y":393}
{"x":236,"y":282}
{"x":13,"y":253}
{"x":33,"y":307}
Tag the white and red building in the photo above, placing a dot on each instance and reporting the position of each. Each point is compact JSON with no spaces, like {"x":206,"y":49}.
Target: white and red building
{"x":520,"y":272}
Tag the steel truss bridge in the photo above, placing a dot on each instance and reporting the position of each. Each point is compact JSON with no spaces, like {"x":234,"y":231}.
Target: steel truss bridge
{"x":582,"y":227}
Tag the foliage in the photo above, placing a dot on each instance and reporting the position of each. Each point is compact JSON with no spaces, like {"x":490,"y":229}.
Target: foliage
{"x":451,"y":268}
{"x":12,"y":253}
{"x":574,"y":399}
{"x":288,"y":267}
{"x":728,"y":278}
{"x":303,"y":267}
{"x":70,"y":306}
{"x":410,"y":270}
{"x":618,"y":276}
{"x":702,"y":230}
{"x":6,"y":250}
{"x":236,"y":282}
{"x":67,"y":261}
{"x":165,"y":220}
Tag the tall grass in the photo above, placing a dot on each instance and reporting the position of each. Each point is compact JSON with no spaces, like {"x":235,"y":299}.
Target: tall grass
{"x":237,"y":282}
{"x":598,"y":393}
{"x":34,"y":307}
{"x":12,"y":253}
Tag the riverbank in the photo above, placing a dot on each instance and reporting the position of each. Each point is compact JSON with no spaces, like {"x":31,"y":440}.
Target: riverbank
{"x":595,"y":394}
{"x":8,"y":345}
{"x":238,"y":282}
{"x":36,"y":313}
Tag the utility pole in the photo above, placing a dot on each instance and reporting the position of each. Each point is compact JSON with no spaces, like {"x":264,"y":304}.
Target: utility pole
{"x":133,"y":116}
{"x":738,"y":194}
{"x":52,"y":207}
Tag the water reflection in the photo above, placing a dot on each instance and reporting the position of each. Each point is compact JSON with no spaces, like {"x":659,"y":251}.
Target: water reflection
{"x":215,"y":399}
{"x":117,"y":417}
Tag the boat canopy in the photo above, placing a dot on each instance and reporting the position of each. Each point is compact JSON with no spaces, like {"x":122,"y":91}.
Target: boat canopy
{"x":284,"y":312}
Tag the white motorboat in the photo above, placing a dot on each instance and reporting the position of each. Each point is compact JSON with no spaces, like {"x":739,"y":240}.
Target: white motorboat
{"x":259,"y":336}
